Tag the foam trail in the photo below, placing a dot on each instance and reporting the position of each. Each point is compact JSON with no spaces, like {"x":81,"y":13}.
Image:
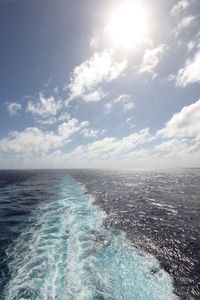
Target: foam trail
{"x":68,"y":255}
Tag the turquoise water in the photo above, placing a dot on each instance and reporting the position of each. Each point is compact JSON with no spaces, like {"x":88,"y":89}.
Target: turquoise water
{"x":67,"y":254}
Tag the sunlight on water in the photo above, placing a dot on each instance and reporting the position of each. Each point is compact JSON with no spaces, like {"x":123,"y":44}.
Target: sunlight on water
{"x":67,"y":254}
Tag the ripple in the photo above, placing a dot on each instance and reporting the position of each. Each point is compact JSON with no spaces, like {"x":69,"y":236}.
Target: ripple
{"x":68,"y":254}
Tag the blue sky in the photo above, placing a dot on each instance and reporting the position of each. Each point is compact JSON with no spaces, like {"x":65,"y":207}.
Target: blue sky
{"x":89,"y":84}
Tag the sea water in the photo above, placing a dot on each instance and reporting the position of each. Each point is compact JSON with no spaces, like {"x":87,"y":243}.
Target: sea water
{"x":159,"y":212}
{"x":63,"y":252}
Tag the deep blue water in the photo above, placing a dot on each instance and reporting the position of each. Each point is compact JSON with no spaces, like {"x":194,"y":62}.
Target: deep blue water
{"x":57,"y":241}
{"x":160,"y":213}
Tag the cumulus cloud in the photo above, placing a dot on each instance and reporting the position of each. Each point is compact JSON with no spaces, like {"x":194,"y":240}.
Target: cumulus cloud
{"x":34,"y":140}
{"x":180,"y":139}
{"x":64,"y":116}
{"x":184,"y":124}
{"x":190,"y":73}
{"x":191,"y":45}
{"x":94,"y":42}
{"x":86,"y":78}
{"x":52,"y":120}
{"x":181,"y":133}
{"x":151,"y":59}
{"x":71,"y":127}
{"x":184,"y":23}
{"x":111,"y":147}
{"x":48,"y":121}
{"x":195,"y":43}
{"x":125,"y":100}
{"x":179,"y":8}
{"x":88,"y":132}
{"x":130,"y":122}
{"x":44,"y":107}
{"x":13,"y":108}
{"x":31,"y":139}
{"x":93,"y":96}
{"x":174,"y":147}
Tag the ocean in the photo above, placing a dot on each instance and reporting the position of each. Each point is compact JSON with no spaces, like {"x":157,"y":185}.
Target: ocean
{"x":97,"y":234}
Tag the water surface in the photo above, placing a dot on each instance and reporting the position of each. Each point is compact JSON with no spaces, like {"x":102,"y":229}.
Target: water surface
{"x":56,"y":244}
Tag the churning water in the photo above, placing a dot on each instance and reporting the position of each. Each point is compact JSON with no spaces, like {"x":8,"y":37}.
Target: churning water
{"x":54,"y":245}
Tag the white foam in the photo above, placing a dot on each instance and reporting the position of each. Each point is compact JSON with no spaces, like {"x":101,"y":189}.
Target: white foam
{"x":68,"y":255}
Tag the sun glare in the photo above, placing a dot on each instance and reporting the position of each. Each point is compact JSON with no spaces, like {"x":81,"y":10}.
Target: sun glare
{"x":128,"y":25}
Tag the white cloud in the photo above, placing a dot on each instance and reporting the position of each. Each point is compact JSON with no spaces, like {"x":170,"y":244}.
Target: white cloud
{"x":64,"y":116}
{"x":174,"y":147}
{"x":195,"y":43}
{"x":108,"y":107}
{"x":13,"y":108}
{"x":100,"y":68}
{"x":69,"y":128}
{"x":31,"y":140}
{"x":73,"y":126}
{"x":34,"y":140}
{"x":178,"y":143}
{"x":94,"y":96}
{"x":88,"y":132}
{"x":52,"y":120}
{"x":184,"y":124}
{"x":48,"y":121}
{"x":190,"y":73}
{"x":111,"y":147}
{"x":128,"y":106}
{"x":179,"y":8}
{"x":184,"y":23}
{"x":151,"y":59}
{"x":191,"y":45}
{"x":44,"y":107}
{"x":181,"y":134}
{"x":94,"y":42}
{"x":130,"y":122}
{"x":125,"y":100}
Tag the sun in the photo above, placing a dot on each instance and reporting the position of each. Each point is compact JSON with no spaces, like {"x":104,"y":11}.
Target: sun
{"x":128,"y":25}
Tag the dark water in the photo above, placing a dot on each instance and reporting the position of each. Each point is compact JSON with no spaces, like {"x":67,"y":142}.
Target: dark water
{"x":20,"y":193}
{"x":54,"y":244}
{"x":160,"y":212}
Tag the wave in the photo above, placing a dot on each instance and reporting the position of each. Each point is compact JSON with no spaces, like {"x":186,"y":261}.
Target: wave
{"x":66,"y":253}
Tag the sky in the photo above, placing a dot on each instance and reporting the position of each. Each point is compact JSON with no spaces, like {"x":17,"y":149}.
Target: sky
{"x":99,"y":84}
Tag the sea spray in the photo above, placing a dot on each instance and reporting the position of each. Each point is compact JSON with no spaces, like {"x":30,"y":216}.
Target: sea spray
{"x":66,"y":253}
